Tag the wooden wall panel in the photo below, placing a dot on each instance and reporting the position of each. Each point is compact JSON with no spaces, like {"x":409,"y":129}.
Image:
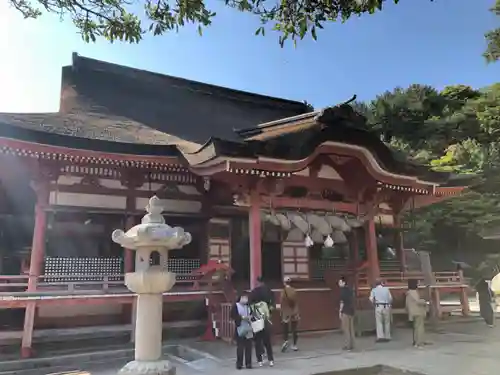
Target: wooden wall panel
{"x":295,"y":257}
{"x":219,"y":240}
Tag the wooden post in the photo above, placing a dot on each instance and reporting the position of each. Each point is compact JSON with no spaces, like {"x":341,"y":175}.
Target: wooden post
{"x":436,"y":301}
{"x":430,"y":283}
{"x":398,"y":242}
{"x":254,"y":223}
{"x":354,"y":248}
{"x":372,"y":251}
{"x":464,"y":298}
{"x":36,"y":262}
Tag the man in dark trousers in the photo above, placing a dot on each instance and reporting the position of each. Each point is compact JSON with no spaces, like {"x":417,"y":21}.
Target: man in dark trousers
{"x":262,"y":301}
{"x":346,"y":313}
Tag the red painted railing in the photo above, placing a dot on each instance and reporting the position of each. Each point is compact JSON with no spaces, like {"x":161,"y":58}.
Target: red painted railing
{"x":226,"y":330}
{"x":392,"y":278}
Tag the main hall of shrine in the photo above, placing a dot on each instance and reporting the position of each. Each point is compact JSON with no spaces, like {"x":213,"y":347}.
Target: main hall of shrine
{"x":266,"y":186}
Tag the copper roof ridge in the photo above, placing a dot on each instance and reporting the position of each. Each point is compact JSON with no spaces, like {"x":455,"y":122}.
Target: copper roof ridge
{"x":248,"y":132}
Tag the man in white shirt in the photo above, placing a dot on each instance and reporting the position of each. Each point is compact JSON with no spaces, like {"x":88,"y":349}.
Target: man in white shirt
{"x":381,"y":298}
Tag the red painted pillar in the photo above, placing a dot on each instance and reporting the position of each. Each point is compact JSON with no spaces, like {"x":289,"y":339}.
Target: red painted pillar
{"x":255,"y":239}
{"x":36,"y":263}
{"x":371,"y":250}
{"x":128,"y":259}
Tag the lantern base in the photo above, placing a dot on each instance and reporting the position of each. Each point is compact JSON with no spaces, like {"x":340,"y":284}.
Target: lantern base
{"x":161,"y":367}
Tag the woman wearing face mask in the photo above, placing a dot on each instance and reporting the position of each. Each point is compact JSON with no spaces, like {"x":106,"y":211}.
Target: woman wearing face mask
{"x":241,"y":315}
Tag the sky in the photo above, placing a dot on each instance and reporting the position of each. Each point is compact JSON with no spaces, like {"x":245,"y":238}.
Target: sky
{"x":418,"y":41}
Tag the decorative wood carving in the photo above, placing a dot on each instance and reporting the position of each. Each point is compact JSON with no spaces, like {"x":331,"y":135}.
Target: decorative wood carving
{"x":90,"y":181}
{"x":355,"y":175}
{"x":42,"y":174}
{"x":273,"y":186}
{"x":340,"y":159}
{"x":131,"y":178}
{"x":168,"y":190}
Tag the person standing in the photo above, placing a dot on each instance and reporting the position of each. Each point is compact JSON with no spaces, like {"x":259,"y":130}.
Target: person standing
{"x":485,"y":296}
{"x":289,"y":314}
{"x":417,"y":310}
{"x":262,"y":304}
{"x":241,"y":315}
{"x":381,"y":299}
{"x":346,"y":313}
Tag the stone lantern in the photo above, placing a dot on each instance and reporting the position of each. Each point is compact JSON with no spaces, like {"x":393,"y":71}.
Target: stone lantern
{"x":149,"y":282}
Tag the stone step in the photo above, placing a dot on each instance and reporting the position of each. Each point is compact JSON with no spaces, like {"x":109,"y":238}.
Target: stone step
{"x":68,"y":362}
{"x":81,"y":368}
{"x":181,"y":355}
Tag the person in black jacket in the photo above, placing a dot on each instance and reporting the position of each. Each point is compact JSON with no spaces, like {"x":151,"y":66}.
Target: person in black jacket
{"x":262,"y":294}
{"x":241,"y":314}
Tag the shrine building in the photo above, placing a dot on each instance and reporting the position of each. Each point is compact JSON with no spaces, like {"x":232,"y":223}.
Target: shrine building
{"x":266,"y":186}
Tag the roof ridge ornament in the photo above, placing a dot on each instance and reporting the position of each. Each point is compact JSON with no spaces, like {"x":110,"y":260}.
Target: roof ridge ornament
{"x":154,"y":211}
{"x":152,"y":232}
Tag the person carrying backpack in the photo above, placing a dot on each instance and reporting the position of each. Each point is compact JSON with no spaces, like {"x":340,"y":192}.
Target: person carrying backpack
{"x":262,"y":305}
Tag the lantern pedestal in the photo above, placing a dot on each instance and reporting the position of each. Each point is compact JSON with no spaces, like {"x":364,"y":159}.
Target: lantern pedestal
{"x":149,"y":282}
{"x":148,"y":368}
{"x":149,"y":286}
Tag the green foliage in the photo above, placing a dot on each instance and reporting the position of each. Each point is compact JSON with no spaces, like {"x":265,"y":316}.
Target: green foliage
{"x":294,"y":20}
{"x":493,"y":38}
{"x":119,"y":19}
{"x":455,"y":130}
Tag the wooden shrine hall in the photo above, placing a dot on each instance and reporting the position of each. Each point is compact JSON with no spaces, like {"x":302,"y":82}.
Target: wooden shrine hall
{"x":294,"y":192}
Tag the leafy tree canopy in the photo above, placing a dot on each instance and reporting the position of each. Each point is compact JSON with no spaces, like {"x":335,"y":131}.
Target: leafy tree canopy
{"x":493,"y":38}
{"x":456,"y":129}
{"x":293,"y":19}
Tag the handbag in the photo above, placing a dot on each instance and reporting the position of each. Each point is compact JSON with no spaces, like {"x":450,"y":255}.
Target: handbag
{"x":258,"y":325}
{"x":244,"y":329}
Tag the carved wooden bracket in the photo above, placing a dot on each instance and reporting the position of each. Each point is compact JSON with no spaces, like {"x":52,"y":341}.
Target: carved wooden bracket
{"x":397,"y":201}
{"x":355,"y":176}
{"x":132,"y":179}
{"x":372,"y":206}
{"x":42,"y":174}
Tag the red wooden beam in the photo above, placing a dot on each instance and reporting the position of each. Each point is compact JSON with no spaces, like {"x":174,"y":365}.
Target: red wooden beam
{"x":103,"y":190}
{"x":21,"y":302}
{"x":41,"y":149}
{"x":311,"y":204}
{"x":314,"y":184}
